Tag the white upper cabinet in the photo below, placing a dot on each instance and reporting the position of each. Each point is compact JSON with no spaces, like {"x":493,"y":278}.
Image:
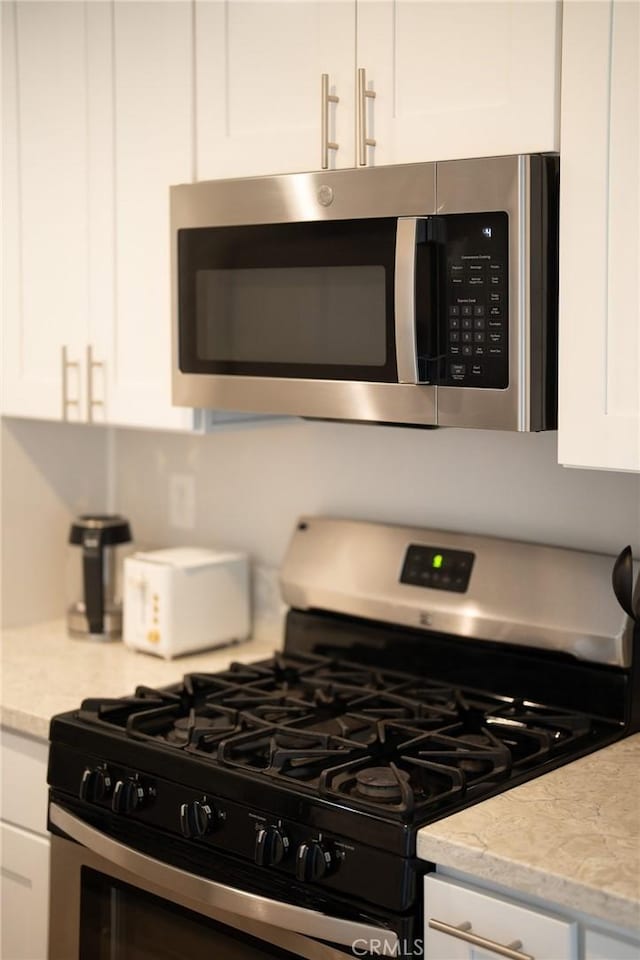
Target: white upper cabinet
{"x":599,"y":369}
{"x":459,"y":79}
{"x":153,"y":137}
{"x":258,"y":78}
{"x":45,"y":212}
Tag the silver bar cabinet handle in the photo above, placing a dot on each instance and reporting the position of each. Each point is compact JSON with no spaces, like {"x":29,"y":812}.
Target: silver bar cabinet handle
{"x":66,"y":366}
{"x":91,"y":366}
{"x":363,"y":140}
{"x":463,"y":932}
{"x":325,"y":99}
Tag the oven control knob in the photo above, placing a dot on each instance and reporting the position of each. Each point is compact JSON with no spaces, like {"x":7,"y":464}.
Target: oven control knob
{"x":313,"y":861}
{"x":272,"y":845}
{"x":196,"y":818}
{"x":96,"y":784}
{"x":128,"y":795}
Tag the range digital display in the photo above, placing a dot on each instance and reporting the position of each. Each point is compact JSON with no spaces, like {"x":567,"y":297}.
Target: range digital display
{"x":437,"y":568}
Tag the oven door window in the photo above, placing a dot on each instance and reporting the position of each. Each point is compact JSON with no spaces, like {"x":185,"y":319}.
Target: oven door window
{"x":119,"y":922}
{"x":299,"y":300}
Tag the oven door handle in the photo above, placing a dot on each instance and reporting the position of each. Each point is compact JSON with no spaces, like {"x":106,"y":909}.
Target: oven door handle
{"x":209,"y":893}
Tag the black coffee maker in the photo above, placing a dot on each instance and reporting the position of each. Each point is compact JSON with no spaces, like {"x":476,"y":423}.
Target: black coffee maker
{"x":98,"y":614}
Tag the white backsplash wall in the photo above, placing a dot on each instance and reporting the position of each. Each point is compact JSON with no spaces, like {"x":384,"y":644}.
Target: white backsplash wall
{"x":245,"y":488}
{"x":50,"y":473}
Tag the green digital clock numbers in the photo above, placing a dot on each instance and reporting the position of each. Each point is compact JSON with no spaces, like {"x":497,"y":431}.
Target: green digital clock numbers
{"x":437,"y":561}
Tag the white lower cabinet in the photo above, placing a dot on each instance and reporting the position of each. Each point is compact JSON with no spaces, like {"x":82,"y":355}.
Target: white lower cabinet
{"x":462,"y":923}
{"x":601,"y":946}
{"x":24,"y":889}
{"x":24,"y":848}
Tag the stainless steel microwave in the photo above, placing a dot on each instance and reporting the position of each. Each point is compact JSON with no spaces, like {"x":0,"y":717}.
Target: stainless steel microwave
{"x":421,"y":294}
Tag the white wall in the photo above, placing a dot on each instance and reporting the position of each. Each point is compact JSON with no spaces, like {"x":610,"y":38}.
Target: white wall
{"x":252,"y":484}
{"x":50,"y":473}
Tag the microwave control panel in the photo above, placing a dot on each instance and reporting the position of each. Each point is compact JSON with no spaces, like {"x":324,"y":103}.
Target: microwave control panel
{"x":475,"y":324}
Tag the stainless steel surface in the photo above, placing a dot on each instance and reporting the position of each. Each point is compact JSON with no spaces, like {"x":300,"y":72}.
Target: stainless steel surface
{"x":197,"y":892}
{"x":325,"y":99}
{"x":91,"y":366}
{"x":66,"y":366}
{"x":78,"y":625}
{"x":361,"y":107}
{"x":405,"y":300}
{"x":489,"y":184}
{"x":477,"y":186}
{"x":520,"y":593}
{"x":463,"y":932}
{"x":375,"y":192}
{"x":67,"y":862}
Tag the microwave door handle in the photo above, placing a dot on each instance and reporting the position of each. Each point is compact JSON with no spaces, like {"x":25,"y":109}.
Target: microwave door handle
{"x":405,"y":300}
{"x":210,"y":893}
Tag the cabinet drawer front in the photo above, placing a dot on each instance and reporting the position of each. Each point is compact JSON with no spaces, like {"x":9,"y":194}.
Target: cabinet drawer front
{"x":600,"y":946}
{"x":24,"y":782}
{"x":24,"y":897}
{"x":530,"y":932}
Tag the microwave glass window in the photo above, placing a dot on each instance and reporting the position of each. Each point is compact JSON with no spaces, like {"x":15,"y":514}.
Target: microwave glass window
{"x":299,"y":315}
{"x":289,"y":300}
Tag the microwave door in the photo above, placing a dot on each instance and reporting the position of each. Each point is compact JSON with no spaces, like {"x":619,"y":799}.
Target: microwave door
{"x":300,"y":318}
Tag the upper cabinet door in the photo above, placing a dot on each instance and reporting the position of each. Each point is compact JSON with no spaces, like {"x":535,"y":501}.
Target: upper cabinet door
{"x":599,"y":374}
{"x":153,"y":148}
{"x":459,"y":79}
{"x":45,"y":213}
{"x":259,"y":69}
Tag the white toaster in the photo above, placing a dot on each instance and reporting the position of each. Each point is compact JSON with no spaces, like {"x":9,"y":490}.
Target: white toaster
{"x":184,"y":599}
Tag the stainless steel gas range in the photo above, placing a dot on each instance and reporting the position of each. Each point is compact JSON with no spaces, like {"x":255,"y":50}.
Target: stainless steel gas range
{"x":271,"y":810}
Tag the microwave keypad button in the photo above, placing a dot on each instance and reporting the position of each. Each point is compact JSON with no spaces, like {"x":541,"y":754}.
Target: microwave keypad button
{"x":495,"y":267}
{"x":495,"y":297}
{"x":479,"y":350}
{"x":467,"y":336}
{"x":466,"y":310}
{"x":478,"y":310}
{"x":457,"y":370}
{"x":467,"y":350}
{"x":454,"y":336}
{"x":476,"y":369}
{"x":479,"y":336}
{"x":478,"y":323}
{"x":476,"y":268}
{"x":495,"y":337}
{"x":454,"y":350}
{"x":454,"y":311}
{"x":467,"y":323}
{"x":456,"y":269}
{"x":494,"y":279}
{"x":476,"y":281}
{"x":495,"y":324}
{"x":457,"y":281}
{"x":495,"y":311}
{"x":454,"y":323}
{"x":495,"y":351}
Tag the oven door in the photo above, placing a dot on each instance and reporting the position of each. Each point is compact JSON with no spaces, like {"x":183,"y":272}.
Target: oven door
{"x":111,"y":902}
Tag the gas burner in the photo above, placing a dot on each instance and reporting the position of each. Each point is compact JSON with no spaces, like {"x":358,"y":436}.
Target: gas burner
{"x":286,"y":752}
{"x":381,"y":783}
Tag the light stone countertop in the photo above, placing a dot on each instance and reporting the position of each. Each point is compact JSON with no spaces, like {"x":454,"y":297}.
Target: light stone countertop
{"x":571,"y":836}
{"x":45,"y":672}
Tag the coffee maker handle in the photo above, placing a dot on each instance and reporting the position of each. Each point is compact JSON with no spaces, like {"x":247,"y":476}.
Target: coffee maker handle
{"x":93,"y":575}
